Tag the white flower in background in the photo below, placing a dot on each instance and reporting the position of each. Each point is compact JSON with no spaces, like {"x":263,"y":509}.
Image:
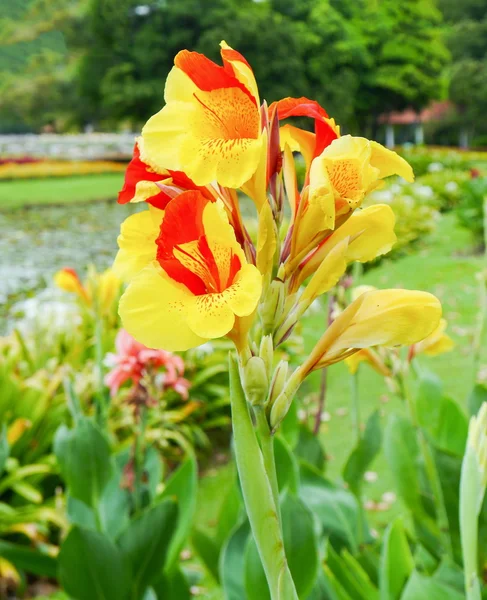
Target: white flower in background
{"x":451,"y":187}
{"x":435,"y":167}
{"x":425,"y":191}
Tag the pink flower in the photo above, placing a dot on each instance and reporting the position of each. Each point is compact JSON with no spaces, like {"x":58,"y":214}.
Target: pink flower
{"x":133,"y":360}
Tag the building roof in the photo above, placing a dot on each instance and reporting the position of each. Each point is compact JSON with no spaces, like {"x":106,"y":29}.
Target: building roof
{"x":434,"y":112}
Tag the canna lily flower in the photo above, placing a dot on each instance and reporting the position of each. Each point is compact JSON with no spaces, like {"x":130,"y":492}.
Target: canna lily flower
{"x":210,"y":127}
{"x":377,"y":318}
{"x":132,"y":361}
{"x":436,"y":343}
{"x":144,"y":184}
{"x":197,"y":284}
{"x":339,"y":179}
{"x":99,"y":290}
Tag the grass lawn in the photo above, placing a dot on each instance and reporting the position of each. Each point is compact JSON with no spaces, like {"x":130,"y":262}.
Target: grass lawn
{"x":59,"y":190}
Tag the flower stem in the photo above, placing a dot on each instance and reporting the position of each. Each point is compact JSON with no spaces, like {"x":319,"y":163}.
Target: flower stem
{"x":267,"y":447}
{"x":257,"y":494}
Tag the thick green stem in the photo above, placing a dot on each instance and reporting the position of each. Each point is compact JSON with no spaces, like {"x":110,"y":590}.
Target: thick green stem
{"x":257,"y":494}
{"x":267,"y":447}
{"x":469,"y":514}
{"x":431,"y":471}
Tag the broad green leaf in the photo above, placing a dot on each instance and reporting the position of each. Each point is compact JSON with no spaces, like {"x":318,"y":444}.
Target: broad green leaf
{"x":229,"y":514}
{"x":402,"y":454}
{"x":115,"y":502}
{"x":449,"y":469}
{"x":441,"y":417}
{"x":309,"y":449}
{"x":173,"y":586}
{"x":31,"y":561}
{"x":363,"y":454}
{"x":232,"y":563}
{"x":286,"y":467}
{"x":83,"y":454}
{"x":182,"y":487}
{"x":336,"y":508}
{"x":4,"y":448}
{"x":301,"y":551}
{"x":208,"y":550}
{"x":145,"y":543}
{"x":421,"y":587}
{"x":80,"y":514}
{"x":477,"y":397}
{"x":321,"y":589}
{"x":153,"y":468}
{"x":396,"y":563}
{"x":91,"y":567}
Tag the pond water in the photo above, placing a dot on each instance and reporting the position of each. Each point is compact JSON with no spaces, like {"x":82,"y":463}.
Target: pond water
{"x":36,"y":242}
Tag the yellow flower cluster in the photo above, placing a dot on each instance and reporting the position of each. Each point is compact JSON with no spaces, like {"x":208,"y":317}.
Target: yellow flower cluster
{"x":57,"y":168}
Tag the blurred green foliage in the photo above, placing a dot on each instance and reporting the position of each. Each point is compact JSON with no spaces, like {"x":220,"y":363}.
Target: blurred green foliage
{"x":358,"y":58}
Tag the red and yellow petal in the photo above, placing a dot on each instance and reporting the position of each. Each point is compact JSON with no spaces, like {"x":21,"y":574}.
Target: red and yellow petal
{"x":154,"y":310}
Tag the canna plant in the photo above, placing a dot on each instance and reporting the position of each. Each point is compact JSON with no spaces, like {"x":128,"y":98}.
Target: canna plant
{"x":195,"y":274}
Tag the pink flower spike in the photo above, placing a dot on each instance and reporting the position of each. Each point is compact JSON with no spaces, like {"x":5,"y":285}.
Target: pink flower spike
{"x":133,"y":360}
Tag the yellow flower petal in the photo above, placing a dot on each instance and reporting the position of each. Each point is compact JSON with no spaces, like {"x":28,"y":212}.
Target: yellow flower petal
{"x":390,"y":163}
{"x":137,"y":243}
{"x":378,"y":318}
{"x":154,"y":310}
{"x":266,"y":241}
{"x":332,"y":267}
{"x":371,"y":234}
{"x":436,"y":343}
{"x":298,"y":140}
{"x":244,"y":294}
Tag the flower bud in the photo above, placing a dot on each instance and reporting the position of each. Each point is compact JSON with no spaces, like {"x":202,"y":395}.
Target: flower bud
{"x":283,"y":402}
{"x":256,"y":381}
{"x":266,"y":353}
{"x":271,"y":309}
{"x":278,"y":381}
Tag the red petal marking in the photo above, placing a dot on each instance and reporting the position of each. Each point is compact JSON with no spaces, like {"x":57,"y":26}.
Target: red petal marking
{"x":183,"y":223}
{"x":325,"y":134}
{"x":139,"y":171}
{"x":235,"y":267}
{"x":206,"y":74}
{"x":230,"y":55}
{"x":214,"y":283}
{"x":298,"y":107}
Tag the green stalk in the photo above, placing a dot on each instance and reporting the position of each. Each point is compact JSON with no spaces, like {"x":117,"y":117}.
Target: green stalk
{"x":431,"y":470}
{"x":267,"y":448}
{"x":257,"y":494}
{"x":469,"y":514}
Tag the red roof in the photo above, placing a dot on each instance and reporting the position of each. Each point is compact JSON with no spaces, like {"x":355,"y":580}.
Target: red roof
{"x":434,"y":112}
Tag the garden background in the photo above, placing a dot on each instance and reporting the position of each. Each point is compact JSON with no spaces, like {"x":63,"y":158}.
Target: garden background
{"x":78,"y":80}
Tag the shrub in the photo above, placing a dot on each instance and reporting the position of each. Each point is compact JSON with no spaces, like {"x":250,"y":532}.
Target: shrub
{"x":470,"y":211}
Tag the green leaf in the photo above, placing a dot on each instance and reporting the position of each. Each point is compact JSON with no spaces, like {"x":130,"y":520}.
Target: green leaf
{"x":4,"y":448}
{"x":396,"y":563}
{"x":229,"y":514}
{"x":477,"y":397}
{"x":208,"y":550}
{"x":309,"y":450}
{"x":182,"y":486}
{"x":91,"y":567}
{"x":353,"y":579}
{"x":301,"y":551}
{"x":31,"y":561}
{"x":286,"y":466}
{"x":402,"y":454}
{"x":115,"y":502}
{"x":232,"y":563}
{"x":441,"y":417}
{"x":173,"y":586}
{"x":336,"y":508}
{"x":83,"y":454}
{"x":80,"y":514}
{"x":145,"y":543}
{"x":363,"y":454}
{"x":421,"y":587}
